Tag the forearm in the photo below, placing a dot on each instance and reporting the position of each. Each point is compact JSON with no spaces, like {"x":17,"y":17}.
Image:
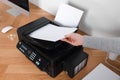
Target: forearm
{"x":105,"y":44}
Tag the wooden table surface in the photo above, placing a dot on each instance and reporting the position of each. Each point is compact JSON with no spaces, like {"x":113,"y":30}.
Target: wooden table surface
{"x":15,"y":66}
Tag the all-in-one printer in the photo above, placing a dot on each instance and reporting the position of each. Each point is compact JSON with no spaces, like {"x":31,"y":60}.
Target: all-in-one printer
{"x":51,"y":57}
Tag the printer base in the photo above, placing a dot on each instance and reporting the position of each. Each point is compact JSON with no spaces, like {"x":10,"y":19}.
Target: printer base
{"x":72,"y":64}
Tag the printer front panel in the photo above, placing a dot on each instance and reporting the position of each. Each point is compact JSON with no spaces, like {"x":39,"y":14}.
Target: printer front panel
{"x":32,"y":55}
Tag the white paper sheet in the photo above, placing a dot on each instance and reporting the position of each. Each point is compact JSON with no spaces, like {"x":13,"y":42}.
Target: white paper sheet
{"x":51,"y":32}
{"x":101,"y":72}
{"x":68,"y":15}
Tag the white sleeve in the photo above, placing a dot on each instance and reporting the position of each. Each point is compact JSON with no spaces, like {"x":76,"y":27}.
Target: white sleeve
{"x":102,"y":43}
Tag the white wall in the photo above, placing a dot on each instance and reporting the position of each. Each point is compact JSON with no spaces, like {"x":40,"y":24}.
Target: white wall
{"x":102,"y":17}
{"x":50,"y":6}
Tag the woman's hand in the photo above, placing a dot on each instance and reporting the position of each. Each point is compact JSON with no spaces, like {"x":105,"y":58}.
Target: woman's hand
{"x":74,"y":39}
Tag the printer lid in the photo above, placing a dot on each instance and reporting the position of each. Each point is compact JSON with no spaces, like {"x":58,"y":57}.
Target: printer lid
{"x":68,"y":16}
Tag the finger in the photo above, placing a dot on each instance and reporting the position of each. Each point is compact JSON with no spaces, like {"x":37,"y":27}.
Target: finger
{"x":68,"y":35}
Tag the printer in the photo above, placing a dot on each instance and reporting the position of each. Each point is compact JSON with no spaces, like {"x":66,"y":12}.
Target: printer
{"x":48,"y":56}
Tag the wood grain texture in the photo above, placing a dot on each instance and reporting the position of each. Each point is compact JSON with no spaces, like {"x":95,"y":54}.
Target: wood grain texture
{"x":15,"y":66}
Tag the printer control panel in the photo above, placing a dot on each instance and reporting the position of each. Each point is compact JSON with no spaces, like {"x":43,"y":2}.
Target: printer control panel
{"x":32,"y":55}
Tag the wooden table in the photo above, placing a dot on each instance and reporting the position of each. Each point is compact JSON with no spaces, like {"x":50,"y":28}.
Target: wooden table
{"x":15,"y":66}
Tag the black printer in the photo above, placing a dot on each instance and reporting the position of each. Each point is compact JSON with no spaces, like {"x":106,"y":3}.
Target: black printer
{"x":51,"y":57}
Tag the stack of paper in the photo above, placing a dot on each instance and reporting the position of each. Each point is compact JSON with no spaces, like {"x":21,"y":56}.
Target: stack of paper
{"x":101,"y":72}
{"x":52,"y":32}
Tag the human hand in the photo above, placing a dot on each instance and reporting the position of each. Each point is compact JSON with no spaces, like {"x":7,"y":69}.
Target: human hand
{"x":74,"y":39}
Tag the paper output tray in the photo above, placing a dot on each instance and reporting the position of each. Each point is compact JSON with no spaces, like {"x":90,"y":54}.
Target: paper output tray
{"x":43,"y":43}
